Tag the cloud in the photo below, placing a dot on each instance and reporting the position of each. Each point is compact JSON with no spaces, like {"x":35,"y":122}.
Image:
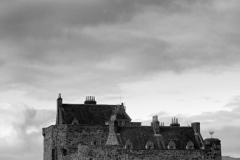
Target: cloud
{"x":20,"y":131}
{"x":234,"y":102}
{"x":98,"y":45}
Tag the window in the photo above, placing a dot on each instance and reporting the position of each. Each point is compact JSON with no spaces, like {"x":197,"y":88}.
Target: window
{"x":120,"y":123}
{"x":190,"y":145}
{"x":53,"y":154}
{"x":128,"y":145}
{"x":75,"y":121}
{"x":149,"y":145}
{"x":93,"y":143}
{"x":171,"y":145}
{"x":64,"y":152}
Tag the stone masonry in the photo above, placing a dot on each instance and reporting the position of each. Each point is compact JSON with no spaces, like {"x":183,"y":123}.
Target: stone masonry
{"x":92,"y":131}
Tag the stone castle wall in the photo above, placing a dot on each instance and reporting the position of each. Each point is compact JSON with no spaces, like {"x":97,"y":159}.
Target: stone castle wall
{"x":118,"y":153}
{"x":47,"y":133}
{"x":54,"y":142}
{"x":86,"y":135}
{"x":62,"y":140}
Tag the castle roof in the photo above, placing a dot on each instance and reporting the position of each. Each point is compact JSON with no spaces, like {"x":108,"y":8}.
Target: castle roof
{"x":89,"y":114}
{"x":139,"y":136}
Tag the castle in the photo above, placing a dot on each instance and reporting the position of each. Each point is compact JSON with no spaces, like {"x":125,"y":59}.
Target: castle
{"x":92,"y":131}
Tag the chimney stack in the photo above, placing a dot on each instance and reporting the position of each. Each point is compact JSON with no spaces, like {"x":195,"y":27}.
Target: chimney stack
{"x":90,"y":100}
{"x":155,"y":124}
{"x":175,"y":122}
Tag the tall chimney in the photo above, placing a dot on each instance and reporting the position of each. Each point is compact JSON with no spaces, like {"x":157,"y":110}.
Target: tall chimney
{"x":59,"y":117}
{"x":155,"y":124}
{"x":90,"y":100}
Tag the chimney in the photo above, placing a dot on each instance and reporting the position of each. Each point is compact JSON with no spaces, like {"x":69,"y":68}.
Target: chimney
{"x":196,"y":126}
{"x":155,"y":124}
{"x":90,"y":100}
{"x":175,"y":122}
{"x":59,"y":117}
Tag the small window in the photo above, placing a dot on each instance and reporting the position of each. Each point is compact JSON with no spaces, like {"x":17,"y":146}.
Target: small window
{"x":171,"y":145}
{"x":64,"y":152}
{"x":128,"y":145}
{"x":75,"y":121}
{"x":93,"y":143}
{"x":120,"y":123}
{"x":53,"y":154}
{"x":190,"y":145}
{"x":149,"y":145}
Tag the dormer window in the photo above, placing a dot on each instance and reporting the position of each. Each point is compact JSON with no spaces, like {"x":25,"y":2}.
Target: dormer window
{"x":128,"y":145}
{"x":149,"y":145}
{"x":190,"y":145}
{"x":120,"y":123}
{"x":75,"y":121}
{"x":171,"y":145}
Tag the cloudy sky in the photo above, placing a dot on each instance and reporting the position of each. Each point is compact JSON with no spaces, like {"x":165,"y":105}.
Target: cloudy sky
{"x":178,"y":58}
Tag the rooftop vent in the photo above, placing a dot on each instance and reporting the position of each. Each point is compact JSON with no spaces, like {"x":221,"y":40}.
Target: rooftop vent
{"x":90,"y":100}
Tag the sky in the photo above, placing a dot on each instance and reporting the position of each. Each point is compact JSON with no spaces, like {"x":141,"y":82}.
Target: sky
{"x":178,"y":58}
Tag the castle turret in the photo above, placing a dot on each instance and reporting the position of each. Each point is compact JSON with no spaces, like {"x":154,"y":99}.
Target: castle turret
{"x":59,"y":117}
{"x":213,"y":148}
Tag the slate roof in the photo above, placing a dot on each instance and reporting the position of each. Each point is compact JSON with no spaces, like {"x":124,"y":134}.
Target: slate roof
{"x":139,"y":136}
{"x":88,"y":114}
{"x":180,"y":135}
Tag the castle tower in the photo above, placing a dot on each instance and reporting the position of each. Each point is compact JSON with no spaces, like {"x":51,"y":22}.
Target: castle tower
{"x":213,"y":148}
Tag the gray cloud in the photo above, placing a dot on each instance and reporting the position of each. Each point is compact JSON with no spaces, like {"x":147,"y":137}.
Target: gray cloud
{"x":21,"y":128}
{"x":87,"y":44}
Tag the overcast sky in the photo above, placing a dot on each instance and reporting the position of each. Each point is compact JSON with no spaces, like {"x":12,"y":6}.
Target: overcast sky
{"x":178,"y":58}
